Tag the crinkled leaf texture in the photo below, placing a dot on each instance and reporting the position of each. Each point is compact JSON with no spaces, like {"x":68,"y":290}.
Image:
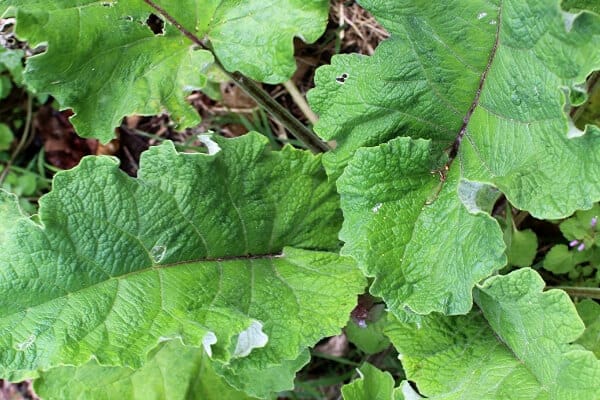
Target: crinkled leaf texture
{"x":478,"y":77}
{"x":105,"y":62}
{"x":518,"y":347}
{"x":199,"y":248}
{"x":173,"y":372}
{"x":399,"y":239}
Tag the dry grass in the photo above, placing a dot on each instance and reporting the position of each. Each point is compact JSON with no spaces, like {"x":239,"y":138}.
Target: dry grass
{"x":359,"y":29}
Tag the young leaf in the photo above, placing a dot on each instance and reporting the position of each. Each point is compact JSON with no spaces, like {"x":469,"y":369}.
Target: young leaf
{"x":105,"y":62}
{"x":369,"y":339}
{"x":194,"y":249}
{"x":480,"y":78}
{"x":173,"y":372}
{"x":374,"y":384}
{"x":398,"y":239}
{"x":518,"y":348}
{"x":521,"y":246}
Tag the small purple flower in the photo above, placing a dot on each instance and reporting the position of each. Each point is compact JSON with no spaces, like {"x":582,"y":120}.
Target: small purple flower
{"x":581,"y":247}
{"x":594,"y":222}
{"x":361,"y":323}
{"x":573,"y":243}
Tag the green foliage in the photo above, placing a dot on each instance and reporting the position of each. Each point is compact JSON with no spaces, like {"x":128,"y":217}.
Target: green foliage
{"x":370,"y":338}
{"x":373,"y":384}
{"x":517,"y":347}
{"x":210,"y":275}
{"x":521,"y":246}
{"x":6,"y":137}
{"x":398,"y":238}
{"x":134,"y":262}
{"x":105,"y":56}
{"x":582,"y":257}
{"x":172,"y":371}
{"x":589,"y":311}
{"x":498,"y":97}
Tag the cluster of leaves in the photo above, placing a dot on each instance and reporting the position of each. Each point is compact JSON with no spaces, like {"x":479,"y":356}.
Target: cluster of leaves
{"x":223,"y":268}
{"x":24,"y":182}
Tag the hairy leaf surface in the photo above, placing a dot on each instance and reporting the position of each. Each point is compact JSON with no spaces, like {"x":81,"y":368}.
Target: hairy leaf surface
{"x":194,"y":249}
{"x":173,"y":372}
{"x":105,"y":62}
{"x":519,"y":347}
{"x":486,"y":87}
{"x":423,"y":257}
{"x":483,"y":72}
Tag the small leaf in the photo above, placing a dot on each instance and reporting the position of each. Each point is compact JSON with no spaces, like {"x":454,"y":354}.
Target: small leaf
{"x":522,"y":248}
{"x":580,"y":225}
{"x":373,"y":384}
{"x":559,"y":259}
{"x":6,"y":137}
{"x":370,"y":338}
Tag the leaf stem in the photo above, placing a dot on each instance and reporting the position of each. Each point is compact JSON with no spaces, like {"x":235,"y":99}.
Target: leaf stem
{"x":301,"y":132}
{"x":576,"y":291}
{"x":334,"y":358}
{"x":24,"y":139}
{"x":300,"y":101}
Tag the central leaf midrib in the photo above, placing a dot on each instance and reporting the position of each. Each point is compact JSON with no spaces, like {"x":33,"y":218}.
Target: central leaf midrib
{"x":154,"y":266}
{"x":482,"y":80}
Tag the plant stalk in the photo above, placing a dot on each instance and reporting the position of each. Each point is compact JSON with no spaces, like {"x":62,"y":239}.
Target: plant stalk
{"x":575,"y":291}
{"x":300,"y":101}
{"x":301,"y":132}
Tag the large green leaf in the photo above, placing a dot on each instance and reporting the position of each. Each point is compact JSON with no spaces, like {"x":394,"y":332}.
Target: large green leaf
{"x":518,"y":348}
{"x":398,"y":238}
{"x":105,"y":62}
{"x":487,"y":89}
{"x":194,"y":249}
{"x":479,"y":71}
{"x":173,"y":372}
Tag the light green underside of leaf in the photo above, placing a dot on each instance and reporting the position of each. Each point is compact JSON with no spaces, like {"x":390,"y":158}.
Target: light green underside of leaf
{"x":104,"y":62}
{"x":196,"y":244}
{"x":425,"y":257}
{"x":173,"y":372}
{"x":423,"y":81}
{"x":518,"y":348}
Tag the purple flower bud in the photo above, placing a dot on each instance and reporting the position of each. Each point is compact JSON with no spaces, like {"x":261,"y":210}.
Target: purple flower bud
{"x":361,"y":323}
{"x":573,"y":243}
{"x":581,"y":247}
{"x":594,"y":222}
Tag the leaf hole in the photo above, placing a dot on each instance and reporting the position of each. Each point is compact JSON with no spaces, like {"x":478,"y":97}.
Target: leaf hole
{"x":342,"y":78}
{"x":156,"y":25}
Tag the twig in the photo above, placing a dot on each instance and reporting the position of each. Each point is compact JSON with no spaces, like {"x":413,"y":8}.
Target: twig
{"x":259,"y":95}
{"x":300,"y":101}
{"x":24,"y":139}
{"x":575,"y":291}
